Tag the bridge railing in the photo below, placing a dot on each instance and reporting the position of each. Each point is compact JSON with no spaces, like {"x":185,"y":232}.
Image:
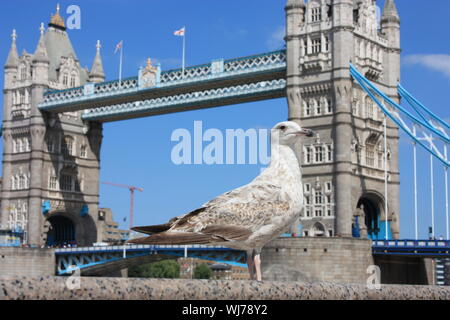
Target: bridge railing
{"x":217,"y":68}
{"x":412,"y":243}
{"x":133,"y":247}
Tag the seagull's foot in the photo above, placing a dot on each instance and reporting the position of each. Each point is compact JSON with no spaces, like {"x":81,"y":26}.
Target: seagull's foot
{"x":251,"y":266}
{"x":257,"y":261}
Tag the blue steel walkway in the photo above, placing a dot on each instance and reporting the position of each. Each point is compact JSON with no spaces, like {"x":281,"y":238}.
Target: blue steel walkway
{"x":417,"y":248}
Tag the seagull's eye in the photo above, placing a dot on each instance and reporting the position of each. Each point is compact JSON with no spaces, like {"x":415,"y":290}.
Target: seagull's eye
{"x":283,"y":128}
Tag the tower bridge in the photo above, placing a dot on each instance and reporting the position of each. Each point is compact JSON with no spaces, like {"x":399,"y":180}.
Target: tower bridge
{"x":54,"y":112}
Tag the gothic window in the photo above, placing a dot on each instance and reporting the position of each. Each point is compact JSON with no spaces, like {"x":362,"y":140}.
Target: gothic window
{"x":318,"y":197}
{"x":316,"y":45}
{"x":72,"y":81}
{"x":83,"y":151}
{"x":65,"y":182}
{"x":318,"y":154}
{"x":65,"y":79}
{"x":304,"y":47}
{"x":318,"y":212}
{"x":67,"y":146}
{"x":329,"y":106}
{"x":327,"y":44}
{"x":329,"y":153}
{"x":23,"y":72}
{"x":318,"y":108}
{"x":22,"y":184}
{"x":53,"y":183}
{"x":77,"y":185}
{"x":50,"y":144}
{"x":370,"y":155}
{"x":308,"y":215}
{"x":308,"y":155}
{"x":316,"y":14}
{"x":308,"y":108}
{"x":307,"y":188}
{"x":328,"y":186}
{"x":307,"y":200}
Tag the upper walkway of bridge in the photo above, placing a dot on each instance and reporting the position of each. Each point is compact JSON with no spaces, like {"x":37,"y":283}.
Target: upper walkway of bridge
{"x":220,"y":82}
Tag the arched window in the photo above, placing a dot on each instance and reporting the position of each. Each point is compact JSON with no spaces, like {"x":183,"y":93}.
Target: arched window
{"x":370,"y":154}
{"x":83,"y":151}
{"x":65,"y":79}
{"x":22,"y":182}
{"x":316,"y":14}
{"x":72,"y":81}
{"x":318,"y":230}
{"x":67,"y":146}
{"x":23,"y":72}
{"x":318,"y":154}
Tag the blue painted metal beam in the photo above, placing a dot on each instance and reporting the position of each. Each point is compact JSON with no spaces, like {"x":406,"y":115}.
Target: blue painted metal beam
{"x":189,"y":101}
{"x":217,"y":75}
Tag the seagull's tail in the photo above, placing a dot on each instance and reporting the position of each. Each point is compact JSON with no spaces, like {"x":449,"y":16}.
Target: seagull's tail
{"x":177,"y":238}
{"x":152,"y":229}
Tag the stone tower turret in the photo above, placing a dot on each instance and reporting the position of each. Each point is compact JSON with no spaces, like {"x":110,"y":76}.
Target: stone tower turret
{"x":97,"y":74}
{"x":50,"y":187}
{"x":343,"y":165}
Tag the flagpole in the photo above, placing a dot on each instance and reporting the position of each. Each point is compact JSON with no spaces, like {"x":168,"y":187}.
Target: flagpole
{"x":120,"y":66}
{"x":184,"y":51}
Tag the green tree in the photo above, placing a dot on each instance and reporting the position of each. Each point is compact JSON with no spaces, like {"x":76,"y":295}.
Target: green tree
{"x":169,"y":269}
{"x":202,"y":271}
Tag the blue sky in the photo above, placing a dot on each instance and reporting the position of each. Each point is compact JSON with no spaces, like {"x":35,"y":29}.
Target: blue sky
{"x":137,"y":152}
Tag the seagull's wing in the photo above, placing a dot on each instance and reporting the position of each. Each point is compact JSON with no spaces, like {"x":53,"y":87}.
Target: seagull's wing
{"x":232,"y":216}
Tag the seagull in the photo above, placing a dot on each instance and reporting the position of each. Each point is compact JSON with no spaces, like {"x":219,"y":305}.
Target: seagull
{"x":249,"y":217}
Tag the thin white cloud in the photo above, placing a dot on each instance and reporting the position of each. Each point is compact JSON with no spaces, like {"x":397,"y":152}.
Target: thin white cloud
{"x":435,"y":62}
{"x":276,"y":39}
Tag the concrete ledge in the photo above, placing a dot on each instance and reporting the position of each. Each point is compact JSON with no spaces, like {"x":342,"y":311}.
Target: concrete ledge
{"x":52,"y":288}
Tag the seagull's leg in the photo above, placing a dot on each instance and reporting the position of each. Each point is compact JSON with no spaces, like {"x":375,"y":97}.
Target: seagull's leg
{"x":251,"y":265}
{"x":257,"y":262}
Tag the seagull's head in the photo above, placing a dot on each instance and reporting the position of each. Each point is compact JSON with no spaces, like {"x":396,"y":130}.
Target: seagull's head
{"x":288,"y":132}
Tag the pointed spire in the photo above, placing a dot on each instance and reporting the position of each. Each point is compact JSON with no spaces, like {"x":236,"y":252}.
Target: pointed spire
{"x":390,"y":12}
{"x":40,"y":55}
{"x":97,"y":73}
{"x":56,"y":20}
{"x":13,"y":56}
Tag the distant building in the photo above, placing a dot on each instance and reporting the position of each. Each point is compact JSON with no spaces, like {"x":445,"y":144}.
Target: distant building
{"x":221,"y":271}
{"x":111,"y":233}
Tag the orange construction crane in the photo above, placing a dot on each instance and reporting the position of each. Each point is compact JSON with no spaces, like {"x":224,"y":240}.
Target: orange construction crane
{"x":132,"y":189}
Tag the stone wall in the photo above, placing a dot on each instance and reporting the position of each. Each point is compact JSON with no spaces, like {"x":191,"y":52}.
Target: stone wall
{"x":340,"y":260}
{"x":51,"y":288}
{"x":26,"y":262}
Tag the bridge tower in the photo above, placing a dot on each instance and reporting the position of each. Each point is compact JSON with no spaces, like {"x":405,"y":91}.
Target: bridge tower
{"x":50,"y":186}
{"x":343,"y":166}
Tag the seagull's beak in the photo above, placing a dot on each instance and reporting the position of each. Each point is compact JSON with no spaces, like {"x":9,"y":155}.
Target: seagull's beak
{"x":305,"y":132}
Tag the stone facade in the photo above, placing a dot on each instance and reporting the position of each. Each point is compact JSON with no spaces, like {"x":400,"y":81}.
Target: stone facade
{"x":56,"y":288}
{"x":343,"y":165}
{"x":50,"y":163}
{"x":317,"y":259}
{"x":16,"y":262}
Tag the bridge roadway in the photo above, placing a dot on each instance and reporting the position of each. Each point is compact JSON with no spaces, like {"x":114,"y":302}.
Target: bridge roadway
{"x":106,"y":259}
{"x":222,"y":82}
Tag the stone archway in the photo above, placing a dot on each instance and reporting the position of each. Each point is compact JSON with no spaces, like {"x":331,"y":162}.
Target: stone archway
{"x":62,"y":228}
{"x":318,"y":230}
{"x":371,"y":207}
{"x":61,"y":231}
